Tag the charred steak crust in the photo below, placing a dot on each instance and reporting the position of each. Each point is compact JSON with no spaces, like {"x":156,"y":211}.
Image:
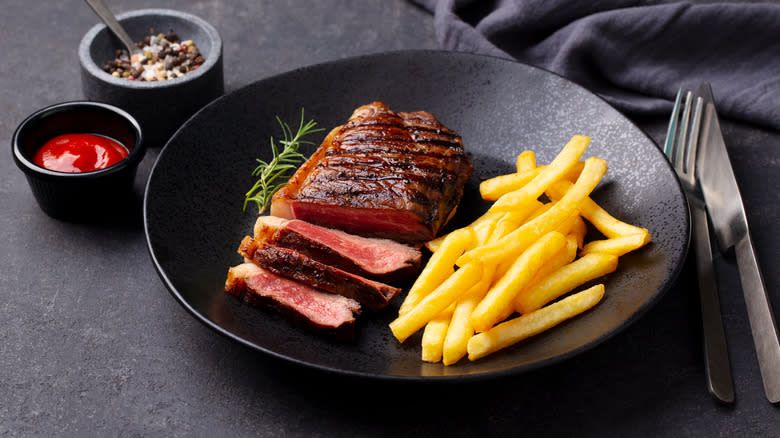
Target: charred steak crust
{"x":382,"y":162}
{"x":304,"y":269}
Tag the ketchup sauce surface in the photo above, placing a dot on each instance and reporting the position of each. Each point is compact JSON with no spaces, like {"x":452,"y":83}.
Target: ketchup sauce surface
{"x":76,"y":153}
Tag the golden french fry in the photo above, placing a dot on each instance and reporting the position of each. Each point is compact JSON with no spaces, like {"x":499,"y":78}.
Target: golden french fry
{"x":562,"y":163}
{"x":493,"y":188}
{"x":514,"y":243}
{"x":595,"y":214}
{"x":497,"y":303}
{"x":460,"y":329}
{"x":436,"y":301}
{"x":510,"y":332}
{"x":510,"y":221}
{"x":564,"y":280}
{"x":433,"y":335}
{"x":564,"y":228}
{"x":617,"y":245}
{"x":505,"y":226}
{"x":563,"y":257}
{"x":439,"y":267}
{"x":498,"y":186}
{"x":544,"y":208}
{"x":489,"y":216}
{"x":579,"y":230}
{"x":482,"y":232}
{"x":574,"y":172}
{"x":435,"y":244}
{"x":526,"y":161}
{"x":567,"y":225}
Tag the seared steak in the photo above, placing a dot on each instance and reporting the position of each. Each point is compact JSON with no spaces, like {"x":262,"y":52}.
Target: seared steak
{"x":382,"y":174}
{"x":378,"y":259}
{"x":299,"y":267}
{"x":305,"y":305}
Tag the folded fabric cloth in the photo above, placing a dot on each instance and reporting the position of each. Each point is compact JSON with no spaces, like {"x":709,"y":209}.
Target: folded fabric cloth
{"x":635,"y":54}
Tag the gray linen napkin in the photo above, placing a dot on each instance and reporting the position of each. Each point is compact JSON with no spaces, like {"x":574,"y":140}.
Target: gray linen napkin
{"x":635,"y":54}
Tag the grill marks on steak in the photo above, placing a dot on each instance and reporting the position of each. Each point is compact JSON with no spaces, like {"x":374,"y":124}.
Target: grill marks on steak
{"x":303,"y":304}
{"x":382,"y":174}
{"x":386,"y":174}
{"x":377,"y":259}
{"x":304,"y":269}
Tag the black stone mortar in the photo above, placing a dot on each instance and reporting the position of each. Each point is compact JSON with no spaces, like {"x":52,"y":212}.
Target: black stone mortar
{"x":162,"y":106}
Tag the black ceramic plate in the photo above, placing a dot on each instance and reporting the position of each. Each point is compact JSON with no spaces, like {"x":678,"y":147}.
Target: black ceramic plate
{"x":194,"y":221}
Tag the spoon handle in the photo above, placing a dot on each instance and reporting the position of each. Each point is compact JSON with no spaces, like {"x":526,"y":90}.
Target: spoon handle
{"x":108,"y":18}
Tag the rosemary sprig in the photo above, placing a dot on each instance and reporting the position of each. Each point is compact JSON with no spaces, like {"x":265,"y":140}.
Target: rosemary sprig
{"x":268,"y":174}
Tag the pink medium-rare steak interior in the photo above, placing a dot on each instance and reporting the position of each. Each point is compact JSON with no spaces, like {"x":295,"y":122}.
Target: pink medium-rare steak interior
{"x":403,"y":225}
{"x":319,"y":309}
{"x":303,"y":269}
{"x":375,"y":258}
{"x":385,"y":174}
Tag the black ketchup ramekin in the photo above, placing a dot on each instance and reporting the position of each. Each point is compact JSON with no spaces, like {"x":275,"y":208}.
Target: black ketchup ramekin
{"x":85,"y":196}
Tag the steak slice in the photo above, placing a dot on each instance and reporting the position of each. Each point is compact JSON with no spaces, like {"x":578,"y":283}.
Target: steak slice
{"x":304,"y":269}
{"x":378,"y":259}
{"x":382,"y":174}
{"x":305,"y":305}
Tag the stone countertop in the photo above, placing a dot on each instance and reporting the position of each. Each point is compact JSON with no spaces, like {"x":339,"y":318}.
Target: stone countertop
{"x":91,"y":342}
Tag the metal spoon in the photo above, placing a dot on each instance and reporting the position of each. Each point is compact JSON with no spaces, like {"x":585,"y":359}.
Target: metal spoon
{"x":108,"y":18}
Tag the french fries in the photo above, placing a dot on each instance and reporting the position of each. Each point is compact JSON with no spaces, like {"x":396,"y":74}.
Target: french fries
{"x":564,"y":280}
{"x":460,"y":329}
{"x":517,"y":241}
{"x":565,"y":160}
{"x":579,"y":229}
{"x":520,"y":257}
{"x":526,"y":160}
{"x":434,"y":333}
{"x":600,"y":218}
{"x":618,"y":245}
{"x":493,"y":188}
{"x":436,"y":301}
{"x":525,"y":326}
{"x":439,"y":267}
{"x":497,"y":302}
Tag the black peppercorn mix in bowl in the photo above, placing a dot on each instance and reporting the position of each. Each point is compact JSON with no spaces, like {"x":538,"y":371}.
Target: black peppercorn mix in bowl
{"x":162,"y":57}
{"x":160,"y":106}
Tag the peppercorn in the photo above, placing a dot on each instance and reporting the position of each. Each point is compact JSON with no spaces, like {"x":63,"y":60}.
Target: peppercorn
{"x":172,"y":59}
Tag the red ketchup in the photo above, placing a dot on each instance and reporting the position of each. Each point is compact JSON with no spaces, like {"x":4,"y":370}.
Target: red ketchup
{"x":76,"y":153}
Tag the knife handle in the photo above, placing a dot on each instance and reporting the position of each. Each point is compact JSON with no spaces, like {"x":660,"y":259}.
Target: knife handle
{"x":717,"y":366}
{"x":762,"y":320}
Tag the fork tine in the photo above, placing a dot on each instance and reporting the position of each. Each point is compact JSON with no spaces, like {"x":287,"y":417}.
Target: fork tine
{"x":682,"y":139}
{"x":671,"y":131}
{"x":693,"y":140}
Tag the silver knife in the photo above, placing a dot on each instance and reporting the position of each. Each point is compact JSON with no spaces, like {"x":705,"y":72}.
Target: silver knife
{"x":727,"y":214}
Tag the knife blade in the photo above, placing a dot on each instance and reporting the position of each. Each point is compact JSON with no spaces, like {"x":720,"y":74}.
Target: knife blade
{"x":727,"y":215}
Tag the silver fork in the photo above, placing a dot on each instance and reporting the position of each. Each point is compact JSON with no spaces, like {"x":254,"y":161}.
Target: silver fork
{"x":682,"y":139}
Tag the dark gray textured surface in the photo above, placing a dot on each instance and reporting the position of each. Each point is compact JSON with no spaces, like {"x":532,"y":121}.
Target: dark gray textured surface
{"x":92,"y":343}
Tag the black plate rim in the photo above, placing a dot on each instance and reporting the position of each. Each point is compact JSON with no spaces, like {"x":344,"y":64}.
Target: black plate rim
{"x":397,"y":378}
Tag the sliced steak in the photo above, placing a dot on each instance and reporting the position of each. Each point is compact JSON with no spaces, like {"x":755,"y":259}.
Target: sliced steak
{"x":382,"y":174}
{"x":304,"y":269}
{"x":303,"y":304}
{"x":378,"y":259}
